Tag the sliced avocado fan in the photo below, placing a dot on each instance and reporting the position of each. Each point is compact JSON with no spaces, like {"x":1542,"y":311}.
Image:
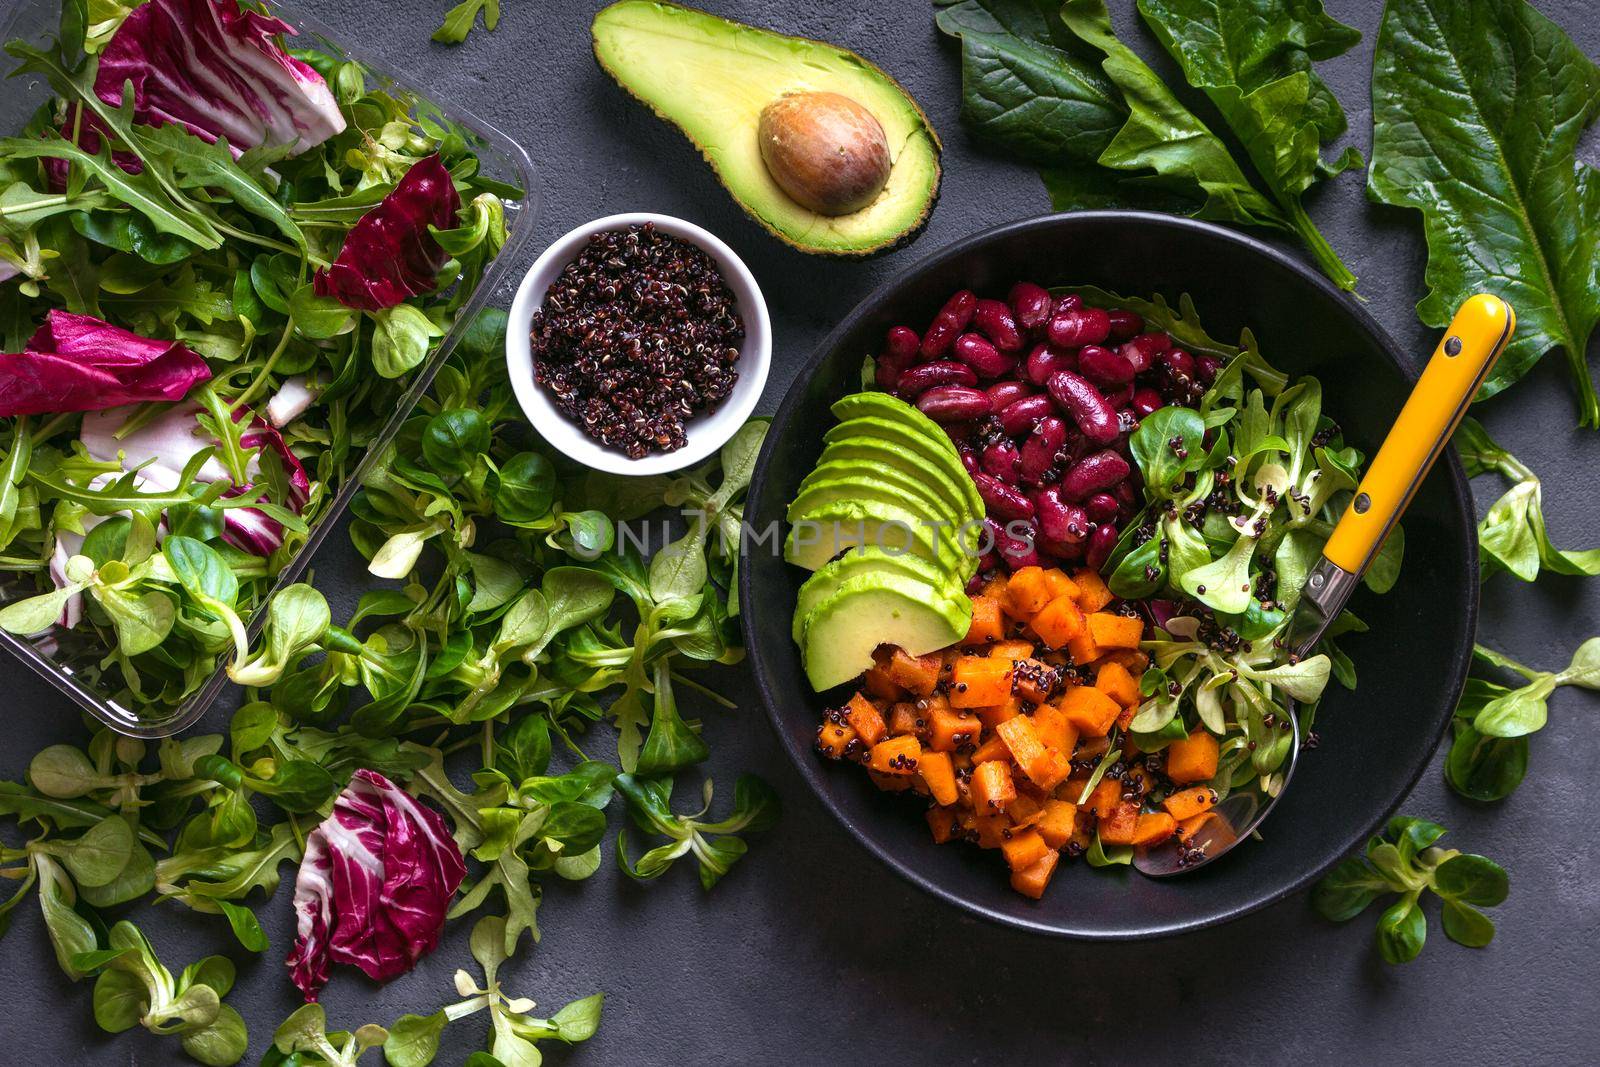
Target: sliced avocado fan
{"x":714,"y":79}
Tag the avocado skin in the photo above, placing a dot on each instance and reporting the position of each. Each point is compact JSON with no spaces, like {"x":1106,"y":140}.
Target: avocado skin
{"x":875,"y":609}
{"x":896,"y":237}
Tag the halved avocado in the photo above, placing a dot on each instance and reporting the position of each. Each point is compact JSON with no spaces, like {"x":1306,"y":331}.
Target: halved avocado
{"x":872,"y":609}
{"x":843,"y":524}
{"x":825,"y":582}
{"x":714,"y":78}
{"x":886,"y":456}
{"x":881,"y":472}
{"x":907,"y":439}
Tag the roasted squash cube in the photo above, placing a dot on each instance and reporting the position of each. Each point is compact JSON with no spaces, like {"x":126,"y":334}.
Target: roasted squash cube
{"x":896,"y":756}
{"x":1119,"y":827}
{"x":988,"y":622}
{"x":1090,"y":710}
{"x":1093,"y":593}
{"x":1152,"y":828}
{"x":948,"y":729}
{"x":1051,"y":724}
{"x":905,"y":719}
{"x":979,"y":682}
{"x":1193,"y":758}
{"x":1032,"y":881}
{"x":1185,"y":804}
{"x":942,"y":824}
{"x":992,"y":787}
{"x":1024,"y":849}
{"x":833,"y":738}
{"x":940,"y":776}
{"x":1057,"y":821}
{"x":1026,"y":593}
{"x":864,"y":715}
{"x":918,"y":675}
{"x":1058,"y":622}
{"x":1114,"y":681}
{"x":1115,"y":631}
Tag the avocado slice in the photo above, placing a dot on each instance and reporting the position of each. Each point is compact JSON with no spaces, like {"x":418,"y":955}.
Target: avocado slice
{"x":871,"y":609}
{"x":820,"y":495}
{"x":889,"y":525}
{"x":884,"y":472}
{"x":712,"y":78}
{"x":892,"y":463}
{"x":871,"y":560}
{"x":918,"y":449}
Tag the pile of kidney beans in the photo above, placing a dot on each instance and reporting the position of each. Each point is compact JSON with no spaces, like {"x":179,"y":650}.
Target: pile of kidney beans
{"x":1039,"y":395}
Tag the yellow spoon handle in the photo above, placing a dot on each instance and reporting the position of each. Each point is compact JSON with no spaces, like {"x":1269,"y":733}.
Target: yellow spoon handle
{"x":1475,"y":339}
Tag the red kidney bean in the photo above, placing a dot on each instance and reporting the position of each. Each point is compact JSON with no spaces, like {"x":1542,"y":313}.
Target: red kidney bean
{"x":983,"y":357}
{"x":1101,"y":542}
{"x":1078,"y":397}
{"x":1128,"y":497}
{"x":924,"y":376}
{"x":902,"y":343}
{"x":1039,"y":451}
{"x":1121,"y":396}
{"x":1044,"y":361}
{"x":1104,"y":366}
{"x":1000,"y":500}
{"x":1058,"y":520}
{"x":954,"y":403}
{"x":969,"y":458}
{"x":959,"y":432}
{"x":1208,"y":368}
{"x":1017,"y":552}
{"x":887,"y":372}
{"x":1019,"y":416}
{"x":1142,"y":350}
{"x":1179,"y":362}
{"x":1031,"y":305}
{"x":1094,"y":472}
{"x":1125,"y":324}
{"x":1101,"y":507}
{"x":1147,"y":401}
{"x":994,"y":320}
{"x":1004,"y":392}
{"x":1000,"y":459}
{"x":948,"y":324}
{"x":1079,"y":326}
{"x":1069,"y":302}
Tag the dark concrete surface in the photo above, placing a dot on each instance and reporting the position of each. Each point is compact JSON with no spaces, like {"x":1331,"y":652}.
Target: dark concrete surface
{"x":810,"y":952}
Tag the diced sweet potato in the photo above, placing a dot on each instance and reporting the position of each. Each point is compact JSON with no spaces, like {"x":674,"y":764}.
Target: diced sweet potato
{"x":992,"y":788}
{"x":988,"y":622}
{"x":1026,"y":808}
{"x":1115,"y":631}
{"x":1056,"y":822}
{"x":1045,"y":767}
{"x":992,"y":749}
{"x":949,"y":729}
{"x":1034,"y":681}
{"x":991,"y":829}
{"x":978,"y":682}
{"x":877,"y":685}
{"x":1011,"y":649}
{"x":864,"y":715}
{"x":903,"y":719}
{"x":1051,"y":724}
{"x":1090,"y":710}
{"x":896,"y":756}
{"x":939,"y":774}
{"x":999,"y":713}
{"x":1135,"y":662}
{"x":1093,"y":593}
{"x":1091,"y":748}
{"x":1193,"y":758}
{"x":1024,"y":849}
{"x":942,"y":824}
{"x":1031,"y":881}
{"x":1026,"y":593}
{"x":1187,"y":803}
{"x":1083,"y":831}
{"x":891,"y":783}
{"x":1119,"y":827}
{"x":1082,"y":649}
{"x":1193,"y":825}
{"x":1152,"y":828}
{"x":833,"y":738}
{"x":918,"y":675}
{"x":1114,"y":681}
{"x":1105,"y":797}
{"x":1058,"y":622}
{"x":1058,"y":584}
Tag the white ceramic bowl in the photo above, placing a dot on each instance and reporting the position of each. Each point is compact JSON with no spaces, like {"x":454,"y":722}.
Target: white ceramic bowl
{"x":706,"y":433}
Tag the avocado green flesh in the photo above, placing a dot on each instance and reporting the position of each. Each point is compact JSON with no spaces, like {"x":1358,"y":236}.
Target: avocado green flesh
{"x":831,"y":576}
{"x":842,"y":632}
{"x":917,"y":448}
{"x":822,"y":495}
{"x":881,"y":475}
{"x":711,"y":78}
{"x":894,"y":463}
{"x":846,"y":524}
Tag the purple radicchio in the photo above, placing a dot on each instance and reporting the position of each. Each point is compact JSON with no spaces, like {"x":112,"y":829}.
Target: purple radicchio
{"x":216,"y":71}
{"x":389,"y":255}
{"x":79,"y":363}
{"x":374,"y":886}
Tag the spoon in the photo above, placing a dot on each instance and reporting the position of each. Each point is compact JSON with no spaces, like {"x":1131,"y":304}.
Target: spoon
{"x":1476,"y":337}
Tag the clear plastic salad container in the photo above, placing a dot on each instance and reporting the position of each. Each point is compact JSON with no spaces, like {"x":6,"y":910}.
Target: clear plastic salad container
{"x":500,"y":157}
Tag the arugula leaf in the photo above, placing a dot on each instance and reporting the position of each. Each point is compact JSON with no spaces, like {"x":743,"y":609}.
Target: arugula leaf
{"x":1253,"y":60}
{"x":460,"y":20}
{"x":1478,"y":110}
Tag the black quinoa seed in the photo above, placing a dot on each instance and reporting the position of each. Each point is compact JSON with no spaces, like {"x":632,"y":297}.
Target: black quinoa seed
{"x":637,"y":336}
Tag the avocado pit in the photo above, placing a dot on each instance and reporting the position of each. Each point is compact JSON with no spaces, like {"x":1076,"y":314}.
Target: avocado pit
{"x":826,"y":151}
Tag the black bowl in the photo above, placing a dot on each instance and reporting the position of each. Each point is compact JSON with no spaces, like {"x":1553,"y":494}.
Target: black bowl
{"x":1412,"y":664}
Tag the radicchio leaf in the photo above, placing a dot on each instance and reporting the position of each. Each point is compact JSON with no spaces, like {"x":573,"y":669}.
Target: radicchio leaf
{"x":389,"y":254}
{"x":374,"y":886}
{"x":79,"y":363}
{"x":216,"y":71}
{"x":163,"y":446}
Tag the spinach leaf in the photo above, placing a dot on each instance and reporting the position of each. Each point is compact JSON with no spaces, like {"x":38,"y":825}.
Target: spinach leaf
{"x":1477,"y":111}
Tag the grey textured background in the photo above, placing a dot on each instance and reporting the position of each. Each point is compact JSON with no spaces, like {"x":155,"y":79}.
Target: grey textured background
{"x":810,"y":951}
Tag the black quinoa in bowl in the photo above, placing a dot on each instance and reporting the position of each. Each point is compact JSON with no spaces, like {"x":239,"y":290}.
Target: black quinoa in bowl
{"x":637,"y":336}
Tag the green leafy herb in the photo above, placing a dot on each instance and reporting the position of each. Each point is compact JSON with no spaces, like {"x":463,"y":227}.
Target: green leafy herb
{"x":1405,"y":860}
{"x":713,"y":843}
{"x":460,"y":20}
{"x":1477,"y":114}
